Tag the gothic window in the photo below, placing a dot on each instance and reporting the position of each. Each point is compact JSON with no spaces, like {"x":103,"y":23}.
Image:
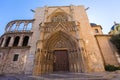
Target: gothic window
{"x":60,"y":17}
{"x":16,"y":41}
{"x":25,"y":41}
{"x":15,"y":58}
{"x":7,"y":41}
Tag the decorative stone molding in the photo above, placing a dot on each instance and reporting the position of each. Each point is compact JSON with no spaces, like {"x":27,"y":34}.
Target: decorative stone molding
{"x":54,"y":26}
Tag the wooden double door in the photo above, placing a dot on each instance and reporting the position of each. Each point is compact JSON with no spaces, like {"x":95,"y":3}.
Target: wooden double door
{"x":61,"y":62}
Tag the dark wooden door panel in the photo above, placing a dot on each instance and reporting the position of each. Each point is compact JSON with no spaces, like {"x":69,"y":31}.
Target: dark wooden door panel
{"x":61,"y":61}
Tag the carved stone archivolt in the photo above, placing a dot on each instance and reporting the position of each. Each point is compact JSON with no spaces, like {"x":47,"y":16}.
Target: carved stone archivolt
{"x":58,"y":41}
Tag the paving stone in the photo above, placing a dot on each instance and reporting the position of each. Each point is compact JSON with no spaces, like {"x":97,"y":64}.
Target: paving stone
{"x":64,"y":76}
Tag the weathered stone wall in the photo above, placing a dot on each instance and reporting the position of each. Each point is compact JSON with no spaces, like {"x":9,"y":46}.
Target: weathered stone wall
{"x":15,"y":42}
{"x":94,"y":59}
{"x":107,"y":49}
{"x":39,"y":18}
{"x":8,"y":65}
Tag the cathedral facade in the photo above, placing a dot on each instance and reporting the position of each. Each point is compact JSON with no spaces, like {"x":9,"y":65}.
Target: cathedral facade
{"x":59,"y":38}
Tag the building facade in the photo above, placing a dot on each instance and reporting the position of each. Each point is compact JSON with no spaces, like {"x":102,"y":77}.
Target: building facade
{"x":59,"y":38}
{"x":115,"y":29}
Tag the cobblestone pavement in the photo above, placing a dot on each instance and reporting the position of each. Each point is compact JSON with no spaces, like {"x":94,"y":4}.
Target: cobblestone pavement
{"x":65,"y":76}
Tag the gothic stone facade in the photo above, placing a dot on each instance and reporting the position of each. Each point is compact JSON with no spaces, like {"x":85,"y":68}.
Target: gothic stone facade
{"x":60,"y":38}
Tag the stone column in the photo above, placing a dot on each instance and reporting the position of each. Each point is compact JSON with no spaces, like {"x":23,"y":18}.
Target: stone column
{"x":11,"y":42}
{"x":3,"y":43}
{"x":20,"y":41}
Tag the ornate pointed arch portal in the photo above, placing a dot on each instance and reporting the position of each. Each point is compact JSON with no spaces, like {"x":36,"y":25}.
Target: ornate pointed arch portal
{"x":58,"y":52}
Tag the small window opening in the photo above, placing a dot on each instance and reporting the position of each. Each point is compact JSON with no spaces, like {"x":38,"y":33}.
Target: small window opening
{"x":25,"y":41}
{"x":16,"y":41}
{"x":15,"y":58}
{"x":96,"y":31}
{"x":7,"y":41}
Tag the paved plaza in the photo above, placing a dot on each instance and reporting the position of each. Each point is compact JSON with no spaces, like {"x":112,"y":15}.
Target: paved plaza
{"x":65,"y":76}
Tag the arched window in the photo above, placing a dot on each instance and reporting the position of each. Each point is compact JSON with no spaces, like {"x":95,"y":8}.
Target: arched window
{"x":25,"y":41}
{"x":21,"y":27}
{"x":1,"y":42}
{"x":29,"y":26}
{"x":7,"y":41}
{"x":13,"y":27}
{"x":16,"y":41}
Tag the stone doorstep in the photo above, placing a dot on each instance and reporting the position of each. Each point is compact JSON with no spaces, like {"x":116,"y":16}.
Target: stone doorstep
{"x":53,"y":77}
{"x":42,"y":78}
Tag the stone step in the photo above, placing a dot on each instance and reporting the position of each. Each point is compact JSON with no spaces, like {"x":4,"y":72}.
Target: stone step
{"x":64,"y":76}
{"x":70,"y":79}
{"x":69,"y":76}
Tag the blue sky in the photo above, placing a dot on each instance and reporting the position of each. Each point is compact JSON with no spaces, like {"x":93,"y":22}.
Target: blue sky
{"x":103,"y":12}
